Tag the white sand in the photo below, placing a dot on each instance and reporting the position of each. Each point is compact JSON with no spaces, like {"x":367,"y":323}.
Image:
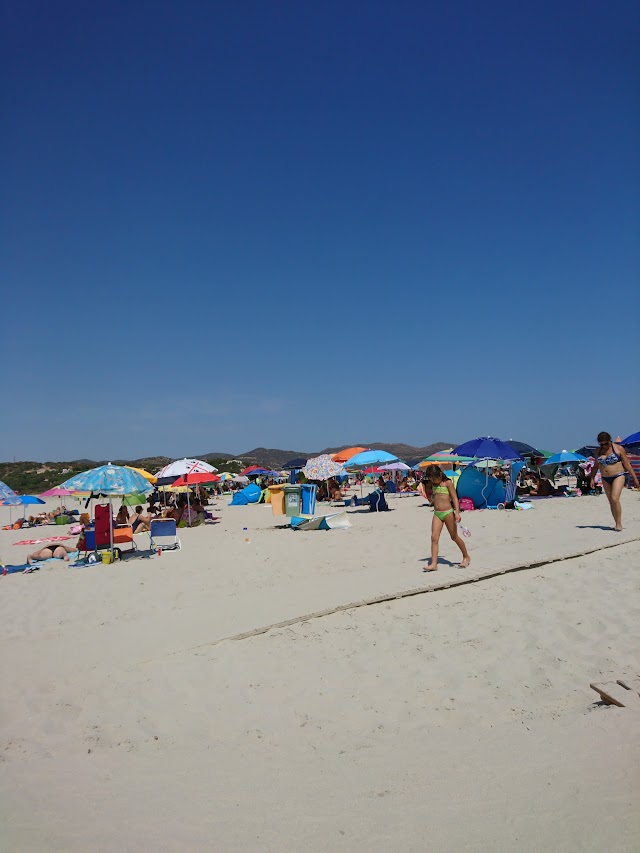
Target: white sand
{"x":459,"y":719}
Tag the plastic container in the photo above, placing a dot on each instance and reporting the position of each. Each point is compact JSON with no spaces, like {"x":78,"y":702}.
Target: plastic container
{"x":308,"y":496}
{"x":277,"y":499}
{"x":106,"y":557}
{"x":292,"y":500}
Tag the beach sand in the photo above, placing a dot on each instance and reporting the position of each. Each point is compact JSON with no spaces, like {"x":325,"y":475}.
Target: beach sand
{"x":455,"y":719}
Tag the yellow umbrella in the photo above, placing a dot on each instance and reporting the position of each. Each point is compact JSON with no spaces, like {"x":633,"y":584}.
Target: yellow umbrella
{"x":144,"y":473}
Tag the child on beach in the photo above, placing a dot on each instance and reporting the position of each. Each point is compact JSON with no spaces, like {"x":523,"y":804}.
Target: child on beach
{"x":446,"y":513}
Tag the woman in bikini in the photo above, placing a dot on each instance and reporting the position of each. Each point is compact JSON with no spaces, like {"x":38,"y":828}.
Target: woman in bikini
{"x":446,"y":513}
{"x":613,"y":463}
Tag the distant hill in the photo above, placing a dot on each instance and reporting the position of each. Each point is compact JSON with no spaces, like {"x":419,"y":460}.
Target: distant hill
{"x":274,"y":457}
{"x":36,"y":477}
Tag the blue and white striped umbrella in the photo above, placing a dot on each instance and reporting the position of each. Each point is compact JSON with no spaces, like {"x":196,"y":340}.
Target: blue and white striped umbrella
{"x":108,"y":480}
{"x":7,"y":495}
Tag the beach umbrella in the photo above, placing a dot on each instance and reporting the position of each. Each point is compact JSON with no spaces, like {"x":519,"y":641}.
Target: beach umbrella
{"x":395,"y":466}
{"x":565,"y":457}
{"x":631,"y":442}
{"x":25,"y":500}
{"x":57,"y":492}
{"x":256,"y":472}
{"x":239,"y":478}
{"x":296,"y":464}
{"x":523,"y":448}
{"x":7,"y":494}
{"x":226,"y":475}
{"x":109,"y":480}
{"x":346,"y":454}
{"x":171,"y":472}
{"x":247,"y":471}
{"x":199,"y":479}
{"x":151,"y":478}
{"x":322,"y":468}
{"x":444,"y":458}
{"x":487,"y":447}
{"x":371,"y":457}
{"x":134,"y":500}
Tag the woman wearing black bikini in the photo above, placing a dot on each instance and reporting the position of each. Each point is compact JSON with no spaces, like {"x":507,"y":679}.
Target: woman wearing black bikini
{"x":613,"y":464}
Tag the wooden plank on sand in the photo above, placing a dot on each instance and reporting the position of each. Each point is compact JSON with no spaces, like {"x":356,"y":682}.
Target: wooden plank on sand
{"x":612,"y":693}
{"x":631,"y":682}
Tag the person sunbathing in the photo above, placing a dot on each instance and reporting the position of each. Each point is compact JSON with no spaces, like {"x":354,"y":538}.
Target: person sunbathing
{"x":55,"y":552}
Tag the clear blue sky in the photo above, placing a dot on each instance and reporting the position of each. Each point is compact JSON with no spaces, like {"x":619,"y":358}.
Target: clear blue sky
{"x":305,"y":224}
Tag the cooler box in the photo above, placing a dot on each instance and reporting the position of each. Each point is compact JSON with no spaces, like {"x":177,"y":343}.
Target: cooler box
{"x":308,"y":498}
{"x":292,"y":500}
{"x":277,"y":499}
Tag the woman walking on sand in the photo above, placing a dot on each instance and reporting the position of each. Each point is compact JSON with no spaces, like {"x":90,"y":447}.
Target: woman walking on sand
{"x":446,"y":513}
{"x":613,"y":463}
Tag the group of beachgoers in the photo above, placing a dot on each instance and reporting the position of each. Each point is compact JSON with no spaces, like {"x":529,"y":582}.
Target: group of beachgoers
{"x":611,"y":465}
{"x":609,"y":471}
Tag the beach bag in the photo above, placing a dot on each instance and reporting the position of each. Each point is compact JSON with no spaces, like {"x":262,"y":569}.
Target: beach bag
{"x":466,"y":504}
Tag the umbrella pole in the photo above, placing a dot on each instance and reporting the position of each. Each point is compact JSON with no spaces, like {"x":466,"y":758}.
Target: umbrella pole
{"x":111,"y":527}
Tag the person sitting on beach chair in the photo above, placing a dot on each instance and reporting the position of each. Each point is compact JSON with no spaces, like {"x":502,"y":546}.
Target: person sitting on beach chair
{"x":140,"y":523}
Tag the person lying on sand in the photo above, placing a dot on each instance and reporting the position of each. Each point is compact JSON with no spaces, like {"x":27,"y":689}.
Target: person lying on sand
{"x":56,"y":552}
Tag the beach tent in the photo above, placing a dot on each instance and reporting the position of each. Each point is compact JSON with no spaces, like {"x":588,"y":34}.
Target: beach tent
{"x":249,"y":495}
{"x":484,"y":491}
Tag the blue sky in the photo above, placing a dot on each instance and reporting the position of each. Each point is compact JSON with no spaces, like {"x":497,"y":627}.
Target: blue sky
{"x":300,"y":225}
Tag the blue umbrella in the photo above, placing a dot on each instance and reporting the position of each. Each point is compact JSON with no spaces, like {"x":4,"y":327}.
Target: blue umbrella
{"x":486,"y":447}
{"x":22,"y":499}
{"x":108,"y":480}
{"x":7,"y":495}
{"x":370,"y":457}
{"x":631,"y":442}
{"x":564,"y":457}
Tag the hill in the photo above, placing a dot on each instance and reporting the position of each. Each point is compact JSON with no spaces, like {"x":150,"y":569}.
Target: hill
{"x":37,"y":477}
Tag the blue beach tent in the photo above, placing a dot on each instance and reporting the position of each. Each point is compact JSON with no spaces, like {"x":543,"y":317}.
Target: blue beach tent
{"x":249,"y":495}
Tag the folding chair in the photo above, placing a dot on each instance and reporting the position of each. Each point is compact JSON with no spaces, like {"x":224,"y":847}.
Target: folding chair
{"x":163,"y":534}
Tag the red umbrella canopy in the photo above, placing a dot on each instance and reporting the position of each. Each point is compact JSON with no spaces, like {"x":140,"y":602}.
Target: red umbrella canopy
{"x":199,"y":479}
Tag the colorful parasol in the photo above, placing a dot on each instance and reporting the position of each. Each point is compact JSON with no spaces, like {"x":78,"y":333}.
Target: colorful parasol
{"x":322,"y":468}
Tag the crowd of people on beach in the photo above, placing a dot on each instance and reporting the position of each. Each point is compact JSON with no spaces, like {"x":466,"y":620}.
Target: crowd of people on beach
{"x":608,"y":471}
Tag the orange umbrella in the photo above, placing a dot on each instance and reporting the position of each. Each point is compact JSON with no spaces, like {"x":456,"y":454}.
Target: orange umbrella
{"x":344,"y":455}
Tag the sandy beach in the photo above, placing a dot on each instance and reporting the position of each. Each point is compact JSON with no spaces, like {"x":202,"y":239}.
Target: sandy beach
{"x":459,"y":718}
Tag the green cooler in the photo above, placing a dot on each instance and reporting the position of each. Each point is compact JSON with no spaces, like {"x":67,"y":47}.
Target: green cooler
{"x":292,"y":500}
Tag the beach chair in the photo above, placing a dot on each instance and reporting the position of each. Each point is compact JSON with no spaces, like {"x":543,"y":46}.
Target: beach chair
{"x":164,"y":535}
{"x":97,"y":536}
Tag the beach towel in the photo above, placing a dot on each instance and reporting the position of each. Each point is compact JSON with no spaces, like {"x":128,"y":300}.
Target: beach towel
{"x":39,"y":541}
{"x":24,"y":569}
